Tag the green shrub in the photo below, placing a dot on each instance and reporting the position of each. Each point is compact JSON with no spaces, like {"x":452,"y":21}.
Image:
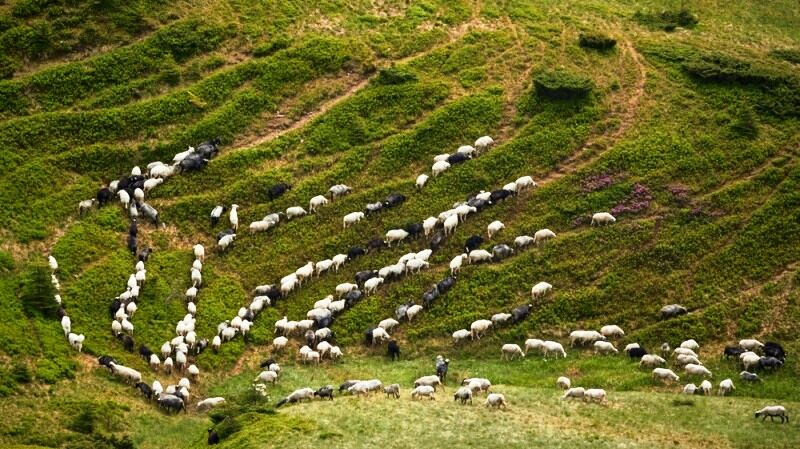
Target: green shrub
{"x":8,"y":385}
{"x":666,"y":20}
{"x":561,"y":84}
{"x":6,"y":262}
{"x":393,"y":75}
{"x":271,"y":47}
{"x":7,"y":67}
{"x":745,"y":125}
{"x":21,"y":373}
{"x":596,"y":41}
{"x":37,"y":292}
{"x":787,"y":54}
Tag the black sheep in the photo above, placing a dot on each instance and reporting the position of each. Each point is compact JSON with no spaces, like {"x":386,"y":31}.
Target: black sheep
{"x":133,"y":229}
{"x":457,"y":158}
{"x":346,"y":385}
{"x":478,"y":204}
{"x":414,"y":229}
{"x":473,"y":242}
{"x":145,"y":254}
{"x":324,"y":392}
{"x":127,"y":342}
{"x":145,"y":389}
{"x":436,"y":240}
{"x":104,"y":195}
{"x":368,"y":336}
{"x":772,"y":349}
{"x":732,"y":351}
{"x":193,"y":162}
{"x":637,"y":353}
{"x":106,"y":360}
{"x":393,"y":349}
{"x":145,"y":352}
{"x":324,"y":322}
{"x":277,"y":190}
{"x":500,"y":195}
{"x":267,"y":363}
{"x":769,"y":362}
{"x":352,"y":297}
{"x":375,"y":244}
{"x":520,"y":313}
{"x":172,"y":403}
{"x":393,"y":200}
{"x":213,"y":437}
{"x":429,"y":296}
{"x":364,"y":276}
{"x":446,"y":284}
{"x":61,"y":313}
{"x":355,"y":251}
{"x":132,"y":244}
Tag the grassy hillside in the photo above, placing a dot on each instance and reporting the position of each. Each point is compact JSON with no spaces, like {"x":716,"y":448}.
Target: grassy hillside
{"x":687,"y":129}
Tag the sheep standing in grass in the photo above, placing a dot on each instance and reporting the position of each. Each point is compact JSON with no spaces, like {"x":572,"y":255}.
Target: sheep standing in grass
{"x":552,"y":347}
{"x":543,"y":235}
{"x":463,"y":394}
{"x":439,"y":167}
{"x":392,"y":390}
{"x":612,"y":331}
{"x":432,"y":381}
{"x":495,"y":400}
{"x":76,"y":341}
{"x":697,"y":370}
{"x":533,"y":344}
{"x":461,"y":334}
{"x":603,"y":218}
{"x":423,"y":390}
{"x":705,"y":387}
{"x":317,"y":202}
{"x":772,"y":412}
{"x":483,"y":143}
{"x":750,"y":344}
{"x":604,"y":347}
{"x":540,"y":289}
{"x":574,"y":393}
{"x":726,"y":387}
{"x":522,"y":241}
{"x":479,"y":327}
{"x":294,"y":212}
{"x":421,"y":181}
{"x":199,"y":252}
{"x":494,"y":227}
{"x":455,"y":264}
{"x":524,"y":183}
{"x":563,"y":383}
{"x":690,"y":389}
{"x":509,"y":351}
{"x":85,"y":205}
{"x":595,"y":395}
{"x":665,"y":374}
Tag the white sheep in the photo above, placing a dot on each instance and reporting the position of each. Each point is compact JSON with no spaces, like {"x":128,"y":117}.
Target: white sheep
{"x":395,"y":236}
{"x":128,"y":374}
{"x":500,"y":318}
{"x":773,"y":411}
{"x":335,"y":353}
{"x":317,"y":202}
{"x":685,"y":359}
{"x":345,"y":288}
{"x":494,"y":227}
{"x":322,"y":266}
{"x":85,"y":205}
{"x":522,"y":241}
{"x":689,"y":389}
{"x":684,"y":351}
{"x":260,"y":226}
{"x":533,"y":344}
{"x":477,"y":384}
{"x":421,"y":180}
{"x":216,"y":342}
{"x":151,"y":184}
{"x":455,"y":264}
{"x":412,"y":311}
{"x":337,"y":306}
{"x":416,"y":265}
{"x":116,"y":328}
{"x":603,"y":218}
{"x":698,"y":370}
{"x":208,"y":403}
{"x":510,"y":350}
{"x":651,"y":360}
{"x":594,"y":395}
{"x":495,"y":400}
{"x":511,"y":187}
{"x":305,"y":272}
{"x":379,"y":334}
{"x":154,"y":362}
{"x":131,"y":309}
{"x":52,"y":263}
{"x":352,"y":218}
{"x":540,"y":289}
{"x":439,"y":167}
{"x":66,"y":325}
{"x":279,"y":343}
{"x":124,"y":198}
{"x":612,"y":330}
{"x":197,"y":278}
{"x":479,"y":255}
{"x":549,"y":347}
{"x":339,"y":190}
{"x":463,"y":210}
{"x":450,"y":224}
{"x":750,"y":344}
{"x":524,"y":183}
{"x":76,"y":341}
{"x":295,"y":211}
{"x":725,"y":387}
{"x":423,"y":390}
{"x":461,"y":334}
{"x":466,"y":149}
{"x":483,"y":143}
{"x":543,"y":235}
{"x":563,"y":383}
{"x":690,"y":344}
{"x":199,"y":252}
{"x":574,"y":393}
{"x":665,"y":374}
{"x":429,"y":224}
{"x":388,"y":323}
{"x":604,"y":347}
{"x":267,"y":376}
{"x":705,"y":387}
{"x":191,"y":293}
{"x":479,"y":327}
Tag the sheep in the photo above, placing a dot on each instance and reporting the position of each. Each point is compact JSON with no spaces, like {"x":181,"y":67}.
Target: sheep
{"x":432,"y":381}
{"x":450,"y":224}
{"x":563,"y":383}
{"x":749,"y":377}
{"x":85,"y":205}
{"x":415,"y":265}
{"x":208,"y":403}
{"x":685,"y":359}
{"x":199,"y":252}
{"x":413,"y":311}
{"x":388,"y":323}
{"x":305,"y":272}
{"x":317,"y":202}
{"x":725,"y":387}
{"x":500,"y":318}
{"x":479,"y":327}
{"x":581,"y":337}
{"x":339,"y":190}
{"x":543,"y":235}
{"x":423,"y":390}
{"x":495,"y":400}
{"x":773,"y":411}
{"x":574,"y":393}
{"x":429,"y":224}
{"x":665,"y":374}
{"x":216,"y":342}
{"x":297,"y":396}
{"x":540,"y":289}
{"x":352,"y":218}
{"x":460,"y":335}
{"x":395,"y":236}
{"x":141,"y":276}
{"x":54,"y":280}
{"x":66,"y":325}
{"x":463,"y":394}
{"x":508,"y":351}
{"x":312,"y":356}
{"x":76,"y":341}
{"x":479,"y":255}
{"x":322,"y":266}
{"x":749,"y":360}
{"x":344,"y":288}
{"x":477,"y":384}
{"x":463,"y":210}
{"x":533,"y":344}
{"x":672,"y":310}
{"x":421,"y":181}
{"x":603,"y":218}
{"x":128,"y":374}
{"x":197,"y":278}
{"x":750,"y":344}
{"x":612,"y":331}
{"x":553,"y":347}
{"x":163,"y":171}
{"x":695,"y":369}
{"x":684,"y":351}
{"x":595,"y":395}
{"x":604,"y":347}
{"x":379,"y":334}
{"x":337,"y":306}
{"x":690,"y":344}
{"x":295,"y":211}
{"x":228,"y":333}
{"x":511,"y":187}
{"x":124,"y":199}
{"x":483,"y":143}
{"x":439,"y":167}
{"x":365,"y":386}
{"x":524,"y":183}
{"x":260,"y":226}
{"x":155,"y":363}
{"x":494,"y":227}
{"x":690,"y":389}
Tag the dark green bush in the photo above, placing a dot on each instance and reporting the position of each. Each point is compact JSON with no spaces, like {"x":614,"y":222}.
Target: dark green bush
{"x":8,"y":385}
{"x":787,"y":54}
{"x":37,"y":292}
{"x":596,"y":41}
{"x":666,"y":20}
{"x":6,"y":262}
{"x":724,"y":68}
{"x":393,"y":75}
{"x":271,"y":47}
{"x":21,"y":373}
{"x":560,"y":84}
{"x":745,"y":125}
{"x":7,"y":67}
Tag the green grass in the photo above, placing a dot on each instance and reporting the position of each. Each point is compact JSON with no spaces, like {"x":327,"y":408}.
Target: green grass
{"x":705,"y":123}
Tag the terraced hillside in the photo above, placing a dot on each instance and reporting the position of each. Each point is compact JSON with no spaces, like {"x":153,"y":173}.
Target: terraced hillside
{"x":687,"y":130}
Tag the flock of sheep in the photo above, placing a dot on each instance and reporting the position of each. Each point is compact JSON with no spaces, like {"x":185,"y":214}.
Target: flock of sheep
{"x":314,"y":329}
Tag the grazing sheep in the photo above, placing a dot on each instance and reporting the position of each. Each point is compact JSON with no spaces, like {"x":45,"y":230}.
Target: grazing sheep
{"x":553,"y":347}
{"x":543,"y":235}
{"x":533,"y":344}
{"x":603,"y":218}
{"x":483,"y":143}
{"x":208,"y":403}
{"x":684,"y":351}
{"x":344,"y":288}
{"x":66,"y":325}
{"x":85,"y":205}
{"x":429,"y":224}
{"x":508,"y":351}
{"x":352,"y":218}
{"x":423,"y":390}
{"x":690,"y":344}
{"x":494,"y":227}
{"x":395,"y":236}
{"x":199,"y":252}
{"x":749,"y":360}
{"x":317,"y":202}
{"x":673,"y":310}
{"x":388,"y":323}
{"x":76,"y":341}
{"x":611,"y":331}
{"x":128,"y":374}
{"x":698,"y":370}
{"x":595,"y":395}
{"x":725,"y":387}
{"x":461,"y":334}
{"x":750,"y":344}
{"x":450,"y":224}
{"x":665,"y":375}
{"x":581,"y":337}
{"x":295,"y":211}
{"x":432,"y":381}
{"x":479,"y":327}
{"x":540,"y":289}
{"x":379,"y":334}
{"x":413,"y":311}
{"x":749,"y":377}
{"x":463,"y":394}
{"x":773,"y":411}
{"x":563,"y":383}
{"x":439,"y":167}
{"x":479,"y":255}
{"x":522,"y":241}
{"x":604,"y":347}
{"x":574,"y":393}
{"x":495,"y":400}
{"x":524,"y":183}
{"x":421,"y":181}
{"x":364,"y":387}
{"x":690,"y":389}
{"x":685,"y":359}
{"x":500,"y":318}
{"x":297,"y":396}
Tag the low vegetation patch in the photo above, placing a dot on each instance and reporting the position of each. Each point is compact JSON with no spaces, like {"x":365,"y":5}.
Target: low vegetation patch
{"x":561,"y":85}
{"x":596,"y":41}
{"x":667,"y":20}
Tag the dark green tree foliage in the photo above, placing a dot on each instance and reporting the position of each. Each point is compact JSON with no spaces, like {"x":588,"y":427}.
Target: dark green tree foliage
{"x":37,"y":292}
{"x":560,"y":84}
{"x":597,"y":41}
